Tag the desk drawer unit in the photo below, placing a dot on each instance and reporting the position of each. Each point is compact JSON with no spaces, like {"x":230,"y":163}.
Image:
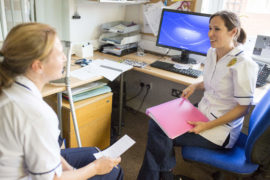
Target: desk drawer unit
{"x":94,"y":121}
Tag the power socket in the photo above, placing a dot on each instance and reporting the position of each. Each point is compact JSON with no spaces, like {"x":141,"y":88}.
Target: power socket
{"x":142,"y":84}
{"x":176,"y":92}
{"x":148,"y":86}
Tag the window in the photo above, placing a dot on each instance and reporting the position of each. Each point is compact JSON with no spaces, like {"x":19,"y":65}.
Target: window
{"x":254,"y":15}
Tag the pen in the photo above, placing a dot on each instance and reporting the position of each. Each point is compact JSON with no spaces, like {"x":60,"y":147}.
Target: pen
{"x":112,"y":68}
{"x":182,"y":101}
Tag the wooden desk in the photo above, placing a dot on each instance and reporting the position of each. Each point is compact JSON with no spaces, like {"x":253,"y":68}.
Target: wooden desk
{"x":51,"y":89}
{"x":178,"y":78}
{"x":150,"y":58}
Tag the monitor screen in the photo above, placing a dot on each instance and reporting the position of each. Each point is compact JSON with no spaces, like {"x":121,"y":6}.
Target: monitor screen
{"x":261,"y":51}
{"x":185,"y":31}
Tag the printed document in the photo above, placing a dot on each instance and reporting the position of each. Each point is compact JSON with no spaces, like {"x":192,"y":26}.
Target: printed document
{"x":110,"y":69}
{"x":85,"y":73}
{"x":152,"y":14}
{"x":106,"y":68}
{"x":117,"y":149}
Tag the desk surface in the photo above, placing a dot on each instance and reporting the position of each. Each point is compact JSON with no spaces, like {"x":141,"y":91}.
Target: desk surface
{"x":50,"y":89}
{"x":150,"y":58}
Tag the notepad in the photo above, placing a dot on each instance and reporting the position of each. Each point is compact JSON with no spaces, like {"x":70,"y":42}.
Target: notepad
{"x":172,"y":116}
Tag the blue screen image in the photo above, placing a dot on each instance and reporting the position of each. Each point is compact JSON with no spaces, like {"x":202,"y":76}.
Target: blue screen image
{"x":184,"y":31}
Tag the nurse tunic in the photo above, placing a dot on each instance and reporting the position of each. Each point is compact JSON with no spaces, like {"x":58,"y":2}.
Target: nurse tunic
{"x":228,"y":82}
{"x":29,"y":133}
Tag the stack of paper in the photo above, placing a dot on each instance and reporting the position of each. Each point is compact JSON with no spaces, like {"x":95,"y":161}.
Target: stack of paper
{"x":86,"y":87}
{"x":87,"y":91}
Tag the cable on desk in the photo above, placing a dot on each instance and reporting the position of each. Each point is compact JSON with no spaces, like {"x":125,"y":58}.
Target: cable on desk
{"x":162,"y":57}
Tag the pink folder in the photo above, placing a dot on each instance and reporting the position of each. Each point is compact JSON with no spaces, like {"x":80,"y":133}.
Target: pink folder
{"x":172,"y":116}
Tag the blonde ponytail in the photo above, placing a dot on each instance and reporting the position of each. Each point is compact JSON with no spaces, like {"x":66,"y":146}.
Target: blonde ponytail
{"x":25,"y":43}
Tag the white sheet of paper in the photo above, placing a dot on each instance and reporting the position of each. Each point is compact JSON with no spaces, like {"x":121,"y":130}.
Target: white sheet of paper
{"x":146,"y":27}
{"x":110,"y":69}
{"x":106,"y":62}
{"x":106,"y":68}
{"x":117,"y":149}
{"x":152,"y":15}
{"x":85,"y":73}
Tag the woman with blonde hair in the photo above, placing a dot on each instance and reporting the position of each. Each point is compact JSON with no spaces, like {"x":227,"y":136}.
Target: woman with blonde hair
{"x":31,"y":56}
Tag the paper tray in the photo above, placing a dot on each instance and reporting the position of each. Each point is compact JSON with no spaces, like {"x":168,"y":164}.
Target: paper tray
{"x":120,"y":27}
{"x":112,"y":38}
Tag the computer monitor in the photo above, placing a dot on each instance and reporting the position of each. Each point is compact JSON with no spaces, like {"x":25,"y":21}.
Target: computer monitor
{"x":261,"y":51}
{"x":185,"y":31}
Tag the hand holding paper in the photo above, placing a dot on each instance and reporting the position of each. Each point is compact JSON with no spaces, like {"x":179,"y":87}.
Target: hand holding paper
{"x":104,"y":165}
{"x":117,"y":149}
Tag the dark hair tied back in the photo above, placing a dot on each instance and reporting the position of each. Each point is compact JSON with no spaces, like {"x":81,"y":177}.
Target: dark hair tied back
{"x":231,"y":20}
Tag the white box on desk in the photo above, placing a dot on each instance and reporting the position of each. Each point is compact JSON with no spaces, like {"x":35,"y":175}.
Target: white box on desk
{"x":83,"y":50}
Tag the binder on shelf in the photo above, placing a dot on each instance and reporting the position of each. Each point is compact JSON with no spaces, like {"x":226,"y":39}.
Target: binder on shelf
{"x":172,"y":116}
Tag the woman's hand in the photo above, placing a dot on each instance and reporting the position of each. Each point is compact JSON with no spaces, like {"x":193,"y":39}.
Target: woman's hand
{"x":104,"y":165}
{"x":189,"y":90}
{"x":198,"y":126}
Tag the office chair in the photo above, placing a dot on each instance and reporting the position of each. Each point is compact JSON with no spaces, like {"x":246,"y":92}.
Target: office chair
{"x":239,"y":160}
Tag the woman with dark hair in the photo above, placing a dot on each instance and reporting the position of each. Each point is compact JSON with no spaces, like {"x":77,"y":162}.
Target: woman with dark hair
{"x":229,"y":81}
{"x":31,"y":56}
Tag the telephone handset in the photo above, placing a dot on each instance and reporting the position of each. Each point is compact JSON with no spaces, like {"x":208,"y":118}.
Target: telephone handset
{"x":263,"y":75}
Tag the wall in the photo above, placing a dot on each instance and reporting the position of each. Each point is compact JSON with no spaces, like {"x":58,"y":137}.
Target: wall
{"x":58,"y":16}
{"x":160,"y":90}
{"x":93,"y":14}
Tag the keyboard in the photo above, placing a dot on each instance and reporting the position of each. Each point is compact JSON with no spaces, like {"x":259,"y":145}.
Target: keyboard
{"x":170,"y":67}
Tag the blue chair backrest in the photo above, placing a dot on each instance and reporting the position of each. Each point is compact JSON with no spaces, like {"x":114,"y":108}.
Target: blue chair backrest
{"x":259,"y":121}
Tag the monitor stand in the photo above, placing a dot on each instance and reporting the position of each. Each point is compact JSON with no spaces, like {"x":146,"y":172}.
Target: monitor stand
{"x":184,"y":58}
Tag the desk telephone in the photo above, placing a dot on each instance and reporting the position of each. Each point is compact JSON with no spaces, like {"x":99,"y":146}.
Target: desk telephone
{"x":263,"y":74}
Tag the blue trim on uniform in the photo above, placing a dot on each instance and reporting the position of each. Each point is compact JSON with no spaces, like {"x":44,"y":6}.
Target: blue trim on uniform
{"x":217,"y":117}
{"x":243,"y":96}
{"x":20,"y":84}
{"x":238,"y":53}
{"x":45,"y":172}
